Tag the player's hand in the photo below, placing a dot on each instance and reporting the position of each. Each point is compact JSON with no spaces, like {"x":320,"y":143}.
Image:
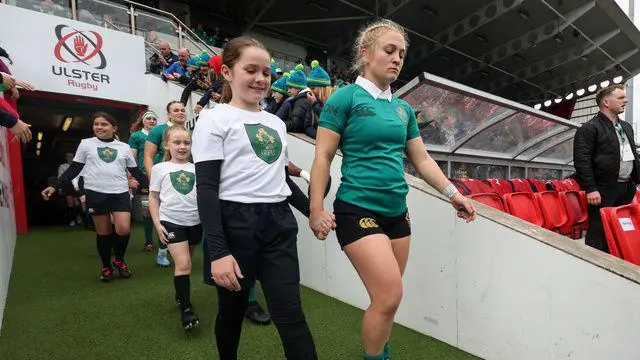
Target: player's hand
{"x":321,"y":223}
{"x":163,"y":234}
{"x":198,"y":108}
{"x":593,"y":198}
{"x":8,"y":80}
{"x":465,"y":208}
{"x":46,"y":193}
{"x":226,"y":272}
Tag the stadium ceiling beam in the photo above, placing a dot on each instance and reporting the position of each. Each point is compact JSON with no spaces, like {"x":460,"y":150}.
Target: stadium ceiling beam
{"x":544,"y":2}
{"x":309,"y":21}
{"x":521,"y":43}
{"x":386,"y":7}
{"x":552,"y":62}
{"x":486,"y":124}
{"x":584,"y":77}
{"x":259,"y":8}
{"x":463,"y":27}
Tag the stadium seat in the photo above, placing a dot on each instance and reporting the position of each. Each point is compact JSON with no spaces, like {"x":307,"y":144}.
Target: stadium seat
{"x":622,"y":228}
{"x":521,"y":185}
{"x":524,"y":206}
{"x":461,"y":186}
{"x":492,"y":199}
{"x":553,"y":210}
{"x":558,"y":185}
{"x":500,"y":186}
{"x":537,"y":185}
{"x":636,"y":198}
{"x":577,"y":210}
{"x":571,"y":184}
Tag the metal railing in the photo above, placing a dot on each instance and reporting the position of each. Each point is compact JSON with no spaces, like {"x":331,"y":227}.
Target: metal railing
{"x":154,"y":25}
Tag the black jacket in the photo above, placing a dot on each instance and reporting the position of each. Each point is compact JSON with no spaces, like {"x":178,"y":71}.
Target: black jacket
{"x":596,"y":153}
{"x":299,"y":114}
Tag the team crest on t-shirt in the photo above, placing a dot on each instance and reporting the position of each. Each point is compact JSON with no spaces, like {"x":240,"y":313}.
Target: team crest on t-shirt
{"x":265,"y":142}
{"x":107,"y":154}
{"x":182,"y":181}
{"x":402,"y":114}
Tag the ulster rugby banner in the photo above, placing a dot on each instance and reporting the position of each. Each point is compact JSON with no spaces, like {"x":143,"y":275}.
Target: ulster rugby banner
{"x":71,"y":57}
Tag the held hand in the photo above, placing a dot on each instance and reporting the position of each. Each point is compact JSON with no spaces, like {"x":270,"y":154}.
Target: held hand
{"x":465,"y":208}
{"x":593,"y":198}
{"x":163,"y":234}
{"x":198,"y":108}
{"x":133,"y":184}
{"x":226,"y":272}
{"x":25,"y":85}
{"x":46,"y":193}
{"x":321,"y":223}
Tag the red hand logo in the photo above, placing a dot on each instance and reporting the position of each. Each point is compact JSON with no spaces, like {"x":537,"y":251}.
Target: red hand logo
{"x":79,"y":45}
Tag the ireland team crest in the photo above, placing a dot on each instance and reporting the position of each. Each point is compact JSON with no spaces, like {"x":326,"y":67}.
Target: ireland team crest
{"x":402,"y":114}
{"x":265,"y":142}
{"x":107,"y":154}
{"x":182,"y":181}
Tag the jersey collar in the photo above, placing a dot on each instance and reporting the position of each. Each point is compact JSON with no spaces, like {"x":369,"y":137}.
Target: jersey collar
{"x":373,"y":90}
{"x":145,"y":131}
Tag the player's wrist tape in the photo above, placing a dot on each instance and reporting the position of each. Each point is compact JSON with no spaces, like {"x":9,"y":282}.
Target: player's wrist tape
{"x":449,"y":191}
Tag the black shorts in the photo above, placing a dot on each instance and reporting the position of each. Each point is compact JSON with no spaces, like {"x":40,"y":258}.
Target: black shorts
{"x":354,"y":223}
{"x":262,"y":239}
{"x":101,"y":204}
{"x":179,"y":233}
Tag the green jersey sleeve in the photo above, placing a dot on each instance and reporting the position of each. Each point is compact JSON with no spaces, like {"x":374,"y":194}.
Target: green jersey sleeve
{"x":335,"y":112}
{"x":155,"y":135}
{"x":134,"y":140}
{"x":412,"y":126}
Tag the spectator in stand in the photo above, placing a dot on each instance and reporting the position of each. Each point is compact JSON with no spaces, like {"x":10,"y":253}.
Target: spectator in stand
{"x":279,"y":93}
{"x":606,"y":162}
{"x":192,"y":68}
{"x":178,"y":68}
{"x":300,"y":108}
{"x":157,"y":63}
{"x":320,"y":84}
{"x":215,"y":91}
{"x":200,"y":80}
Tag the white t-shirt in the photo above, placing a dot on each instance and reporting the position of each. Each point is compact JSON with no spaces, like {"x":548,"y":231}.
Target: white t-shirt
{"x":105,"y":165}
{"x":176,"y":184}
{"x":253,"y":146}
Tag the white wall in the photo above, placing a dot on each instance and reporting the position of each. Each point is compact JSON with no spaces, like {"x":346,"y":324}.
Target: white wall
{"x":7,"y":222}
{"x":497,"y":288}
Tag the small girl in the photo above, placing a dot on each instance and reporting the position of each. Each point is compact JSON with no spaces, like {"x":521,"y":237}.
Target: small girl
{"x":174,"y":210}
{"x":105,"y":161}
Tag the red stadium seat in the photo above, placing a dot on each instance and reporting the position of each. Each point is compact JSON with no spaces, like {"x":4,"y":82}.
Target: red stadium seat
{"x":538,"y":185}
{"x":558,"y":185}
{"x":521,"y":185}
{"x":553,"y":210}
{"x":524,"y":206}
{"x":500,"y":186}
{"x":636,"y":198}
{"x":492,"y":199}
{"x":571,"y":184}
{"x":577,"y":210}
{"x":622,"y":229}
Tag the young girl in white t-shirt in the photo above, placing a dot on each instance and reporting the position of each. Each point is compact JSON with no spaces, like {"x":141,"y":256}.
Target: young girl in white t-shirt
{"x":104,"y":161}
{"x":250,"y":231}
{"x":174,"y":209}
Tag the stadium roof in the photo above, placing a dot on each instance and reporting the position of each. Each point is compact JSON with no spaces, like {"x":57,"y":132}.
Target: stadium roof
{"x":527,"y":51}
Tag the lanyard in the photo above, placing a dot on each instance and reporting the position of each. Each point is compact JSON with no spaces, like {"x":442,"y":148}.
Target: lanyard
{"x":623,"y":136}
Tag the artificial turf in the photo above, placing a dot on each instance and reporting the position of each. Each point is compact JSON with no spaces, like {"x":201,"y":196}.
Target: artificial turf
{"x":58,"y":309}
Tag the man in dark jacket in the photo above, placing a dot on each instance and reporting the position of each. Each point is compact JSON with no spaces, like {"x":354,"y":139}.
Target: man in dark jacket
{"x":300,"y":110}
{"x":606,"y":162}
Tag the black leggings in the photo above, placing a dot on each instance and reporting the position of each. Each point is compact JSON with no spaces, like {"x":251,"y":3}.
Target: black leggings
{"x":262,"y":239}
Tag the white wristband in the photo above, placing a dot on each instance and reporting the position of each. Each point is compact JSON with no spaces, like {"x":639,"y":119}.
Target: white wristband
{"x":449,"y":191}
{"x":305,"y":175}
